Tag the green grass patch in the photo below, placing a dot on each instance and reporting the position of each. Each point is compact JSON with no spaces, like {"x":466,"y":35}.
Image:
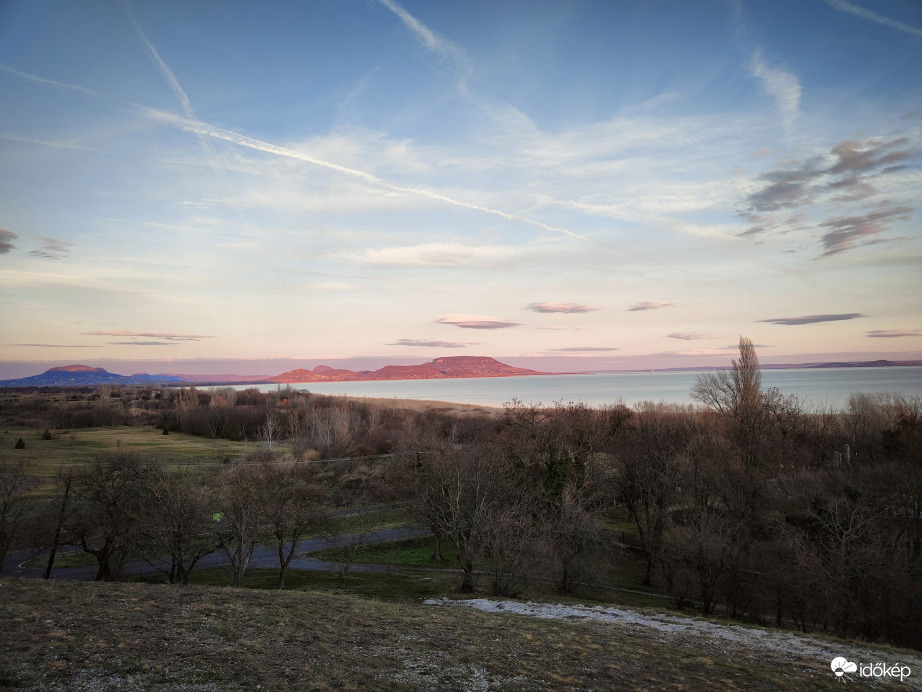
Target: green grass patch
{"x":81,"y":446}
{"x":365,"y":522}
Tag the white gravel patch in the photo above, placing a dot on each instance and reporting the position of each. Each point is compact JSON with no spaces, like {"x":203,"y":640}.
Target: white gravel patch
{"x":787,"y":648}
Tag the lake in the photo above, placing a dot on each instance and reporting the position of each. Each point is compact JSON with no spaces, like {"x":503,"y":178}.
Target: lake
{"x":828,"y":387}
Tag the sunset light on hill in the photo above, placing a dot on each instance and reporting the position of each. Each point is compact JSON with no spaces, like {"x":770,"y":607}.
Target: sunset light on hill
{"x":563,"y":186}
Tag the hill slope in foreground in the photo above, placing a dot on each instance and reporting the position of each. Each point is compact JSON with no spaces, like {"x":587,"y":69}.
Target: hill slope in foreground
{"x":89,"y":636}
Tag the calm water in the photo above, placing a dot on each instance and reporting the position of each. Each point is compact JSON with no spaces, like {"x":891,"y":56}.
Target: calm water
{"x":822,"y":387}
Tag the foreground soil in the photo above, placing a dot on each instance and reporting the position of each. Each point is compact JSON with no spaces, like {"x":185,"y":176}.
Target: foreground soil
{"x":92,"y":636}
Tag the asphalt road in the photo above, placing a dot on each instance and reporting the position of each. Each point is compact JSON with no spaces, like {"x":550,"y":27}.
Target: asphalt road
{"x":264,"y":556}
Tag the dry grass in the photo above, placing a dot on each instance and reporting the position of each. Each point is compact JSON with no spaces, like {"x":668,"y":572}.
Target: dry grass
{"x":89,"y":636}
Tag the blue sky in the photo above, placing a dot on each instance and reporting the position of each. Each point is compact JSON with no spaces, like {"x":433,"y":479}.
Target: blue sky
{"x":215,"y":186}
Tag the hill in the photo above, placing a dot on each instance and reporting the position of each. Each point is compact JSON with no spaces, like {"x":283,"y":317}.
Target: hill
{"x":75,"y":635}
{"x":440,"y":368}
{"x":86,"y":376}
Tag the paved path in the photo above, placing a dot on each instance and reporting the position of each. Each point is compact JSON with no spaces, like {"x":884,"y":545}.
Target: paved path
{"x":264,"y":556}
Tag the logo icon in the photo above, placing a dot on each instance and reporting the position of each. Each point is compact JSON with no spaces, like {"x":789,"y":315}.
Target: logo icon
{"x":840,"y":666}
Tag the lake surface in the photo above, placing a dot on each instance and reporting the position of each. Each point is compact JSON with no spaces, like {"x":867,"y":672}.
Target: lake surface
{"x":819,"y":387}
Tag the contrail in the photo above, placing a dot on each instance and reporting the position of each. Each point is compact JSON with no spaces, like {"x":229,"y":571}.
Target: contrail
{"x":164,"y":68}
{"x":851,"y":8}
{"x":51,"y":82}
{"x":431,"y":40}
{"x":204,"y":129}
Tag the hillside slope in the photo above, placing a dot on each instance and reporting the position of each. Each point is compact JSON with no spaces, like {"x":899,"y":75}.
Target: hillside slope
{"x":73,"y":635}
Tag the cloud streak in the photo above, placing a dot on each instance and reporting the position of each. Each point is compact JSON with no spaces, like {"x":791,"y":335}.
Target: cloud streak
{"x":852,"y":8}
{"x":198,"y":127}
{"x":6,"y":241}
{"x":156,"y":335}
{"x":476,"y":321}
{"x":893,"y":333}
{"x":783,"y":87}
{"x":432,"y":41}
{"x":432,"y":343}
{"x":690,"y":336}
{"x":813,"y":319}
{"x":49,"y":82}
{"x":649,"y":305}
{"x":560,"y":307}
{"x":168,"y":75}
{"x":437,"y":255}
{"x":584,"y":349}
{"x":52,"y":248}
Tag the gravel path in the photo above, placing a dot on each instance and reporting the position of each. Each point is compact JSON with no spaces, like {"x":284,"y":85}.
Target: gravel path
{"x":777,"y":647}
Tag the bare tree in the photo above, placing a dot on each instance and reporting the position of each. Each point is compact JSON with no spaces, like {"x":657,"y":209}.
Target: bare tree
{"x":240,"y":498}
{"x":15,"y":484}
{"x":293,"y":502}
{"x":176,"y":517}
{"x":106,"y":516}
{"x":460,"y":490}
{"x":729,"y":390}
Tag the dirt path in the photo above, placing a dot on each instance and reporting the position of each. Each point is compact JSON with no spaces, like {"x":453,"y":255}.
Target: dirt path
{"x":735,"y":642}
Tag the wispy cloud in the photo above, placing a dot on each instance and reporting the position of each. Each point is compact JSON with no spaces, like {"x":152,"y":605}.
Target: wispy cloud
{"x":847,"y":231}
{"x":437,"y":255}
{"x":157,"y":335}
{"x":649,"y":305}
{"x":168,"y":75}
{"x":58,"y":345}
{"x":6,"y":241}
{"x":813,"y":319}
{"x":433,"y":343}
{"x":783,"y":87}
{"x":476,"y":321}
{"x":893,"y":333}
{"x":201,"y":128}
{"x":49,"y":82}
{"x":690,"y":336}
{"x":584,"y":349}
{"x":560,"y":307}
{"x":52,"y":248}
{"x":142,"y":343}
{"x":852,"y":8}
{"x":849,"y":172}
{"x":433,"y":42}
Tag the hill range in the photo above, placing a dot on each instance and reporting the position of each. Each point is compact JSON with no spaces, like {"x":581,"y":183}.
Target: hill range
{"x":440,"y":368}
{"x":452,"y":367}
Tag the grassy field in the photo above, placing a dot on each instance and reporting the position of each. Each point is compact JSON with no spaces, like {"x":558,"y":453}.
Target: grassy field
{"x":70,"y":636}
{"x":79,"y":446}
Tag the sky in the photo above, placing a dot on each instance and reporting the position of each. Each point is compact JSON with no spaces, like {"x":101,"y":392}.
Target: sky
{"x":222,"y":186}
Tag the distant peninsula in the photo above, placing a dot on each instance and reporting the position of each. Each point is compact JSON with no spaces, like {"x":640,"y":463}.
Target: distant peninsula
{"x":454,"y":367}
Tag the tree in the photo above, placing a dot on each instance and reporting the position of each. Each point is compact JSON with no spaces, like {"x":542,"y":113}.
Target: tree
{"x":107,"y":499}
{"x":292,"y":503}
{"x":175,"y":518}
{"x":14,"y":485}
{"x":648,"y":459}
{"x":240,"y":500}
{"x":459,"y":487}
{"x":730,"y":391}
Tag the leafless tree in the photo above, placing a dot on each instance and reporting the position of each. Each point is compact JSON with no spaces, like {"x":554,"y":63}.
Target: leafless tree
{"x":293,"y":502}
{"x":176,"y":515}
{"x":15,"y":484}
{"x":106,"y":500}
{"x":240,"y":500}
